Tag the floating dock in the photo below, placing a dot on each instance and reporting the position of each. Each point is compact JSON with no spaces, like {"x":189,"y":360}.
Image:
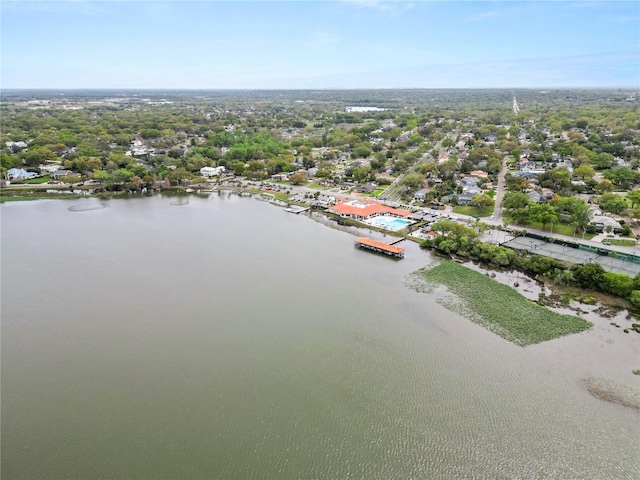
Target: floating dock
{"x":379,"y":247}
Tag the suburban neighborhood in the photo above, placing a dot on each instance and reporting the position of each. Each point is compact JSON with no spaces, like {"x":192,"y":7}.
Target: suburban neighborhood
{"x":546,"y":169}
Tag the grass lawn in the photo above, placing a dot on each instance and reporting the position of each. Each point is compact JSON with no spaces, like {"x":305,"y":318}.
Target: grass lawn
{"x":280,"y":196}
{"x":32,"y":181}
{"x":620,"y":242}
{"x":473,"y":211}
{"x":317,"y":186}
{"x":500,"y":308}
{"x":377,"y":192}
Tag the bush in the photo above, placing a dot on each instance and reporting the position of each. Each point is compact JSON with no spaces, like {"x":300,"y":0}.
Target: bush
{"x":543,"y":265}
{"x":634,"y":298}
{"x":618,"y":284}
{"x":591,"y":276}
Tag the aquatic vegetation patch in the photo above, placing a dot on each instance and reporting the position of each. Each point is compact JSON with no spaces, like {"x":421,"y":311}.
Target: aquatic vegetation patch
{"x":499,"y":307}
{"x":610,"y":391}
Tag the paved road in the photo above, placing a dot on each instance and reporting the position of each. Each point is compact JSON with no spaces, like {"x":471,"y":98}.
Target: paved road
{"x":497,"y":209}
{"x":424,"y":160}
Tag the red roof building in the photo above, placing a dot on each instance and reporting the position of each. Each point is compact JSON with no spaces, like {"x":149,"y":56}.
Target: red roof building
{"x":361,"y":209}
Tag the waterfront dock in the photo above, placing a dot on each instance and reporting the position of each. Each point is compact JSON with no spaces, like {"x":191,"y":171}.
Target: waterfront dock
{"x":379,"y":247}
{"x":297,"y":209}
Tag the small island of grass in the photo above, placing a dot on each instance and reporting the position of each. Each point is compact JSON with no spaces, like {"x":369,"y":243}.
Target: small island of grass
{"x":501,"y":309}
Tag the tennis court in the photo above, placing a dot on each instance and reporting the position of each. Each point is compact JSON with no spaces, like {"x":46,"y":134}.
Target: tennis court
{"x":612,"y":263}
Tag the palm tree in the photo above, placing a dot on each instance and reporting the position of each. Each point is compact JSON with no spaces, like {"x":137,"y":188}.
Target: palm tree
{"x":581,"y":215}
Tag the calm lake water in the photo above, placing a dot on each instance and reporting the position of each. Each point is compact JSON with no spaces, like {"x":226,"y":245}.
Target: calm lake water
{"x":220,"y":337}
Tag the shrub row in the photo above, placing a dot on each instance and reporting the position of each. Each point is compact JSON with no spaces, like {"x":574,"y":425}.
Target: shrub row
{"x":590,"y":276}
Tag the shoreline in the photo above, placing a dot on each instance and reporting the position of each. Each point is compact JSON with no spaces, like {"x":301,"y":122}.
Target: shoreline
{"x":600,"y":359}
{"x":599,"y":365}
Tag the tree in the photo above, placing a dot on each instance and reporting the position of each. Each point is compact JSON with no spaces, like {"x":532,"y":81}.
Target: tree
{"x":604,"y":186}
{"x":589,"y":276}
{"x":122,"y":176}
{"x":634,"y":197}
{"x":520,"y":215}
{"x":361,"y":172}
{"x":515,"y":183}
{"x":176,"y":176}
{"x":101,"y":176}
{"x":298,"y":178}
{"x":603,"y":161}
{"x":150,"y":133}
{"x":581,"y":215}
{"x":514,"y":200}
{"x":443,"y":226}
{"x":619,"y":284}
{"x":448,"y":168}
{"x":94,"y":164}
{"x":614,"y":205}
{"x":482,"y":201}
{"x":7,"y":162}
{"x":413,"y":180}
{"x":543,"y":213}
{"x":635,"y":297}
{"x":137,"y":169}
{"x":584,"y":172}
{"x":362,"y":151}
{"x":37,"y":155}
{"x":622,"y":176}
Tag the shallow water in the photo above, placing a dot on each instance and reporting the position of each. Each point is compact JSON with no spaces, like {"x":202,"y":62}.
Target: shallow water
{"x":220,"y":337}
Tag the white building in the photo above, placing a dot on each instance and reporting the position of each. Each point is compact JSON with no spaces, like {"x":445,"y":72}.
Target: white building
{"x":212,"y":171}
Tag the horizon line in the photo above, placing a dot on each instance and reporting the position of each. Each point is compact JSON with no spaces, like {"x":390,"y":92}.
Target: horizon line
{"x":606,"y":87}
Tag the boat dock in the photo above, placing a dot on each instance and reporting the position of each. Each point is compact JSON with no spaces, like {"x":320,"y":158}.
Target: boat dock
{"x":296,"y":209}
{"x":379,"y":247}
{"x":401,"y":239}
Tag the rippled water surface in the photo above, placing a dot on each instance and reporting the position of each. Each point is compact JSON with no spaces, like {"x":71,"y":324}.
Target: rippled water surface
{"x":221,"y":337}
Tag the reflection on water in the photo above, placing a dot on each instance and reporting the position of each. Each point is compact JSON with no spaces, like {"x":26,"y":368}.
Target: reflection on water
{"x":228,"y":339}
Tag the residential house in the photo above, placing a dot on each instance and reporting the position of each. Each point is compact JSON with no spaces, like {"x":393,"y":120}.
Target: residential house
{"x":420,"y":195}
{"x":478,"y":174}
{"x":48,"y":168}
{"x":601,"y":223}
{"x":368,"y":188}
{"x":58,"y":174}
{"x":280,"y":177}
{"x":19,"y":174}
{"x":212,"y":171}
{"x":547,"y":193}
{"x":536,"y":196}
{"x":466,"y":198}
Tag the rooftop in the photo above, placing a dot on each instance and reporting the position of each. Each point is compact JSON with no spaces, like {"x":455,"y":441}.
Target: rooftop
{"x":366,"y":208}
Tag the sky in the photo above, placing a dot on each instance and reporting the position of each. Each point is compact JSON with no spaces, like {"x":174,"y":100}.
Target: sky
{"x":318,"y":45}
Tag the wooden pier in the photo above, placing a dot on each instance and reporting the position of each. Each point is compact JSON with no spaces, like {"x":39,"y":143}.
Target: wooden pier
{"x":296,"y":209}
{"x":401,"y":239}
{"x":379,"y":247}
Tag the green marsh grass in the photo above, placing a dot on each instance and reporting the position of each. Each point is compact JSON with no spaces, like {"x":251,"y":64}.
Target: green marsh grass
{"x":500,"y":308}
